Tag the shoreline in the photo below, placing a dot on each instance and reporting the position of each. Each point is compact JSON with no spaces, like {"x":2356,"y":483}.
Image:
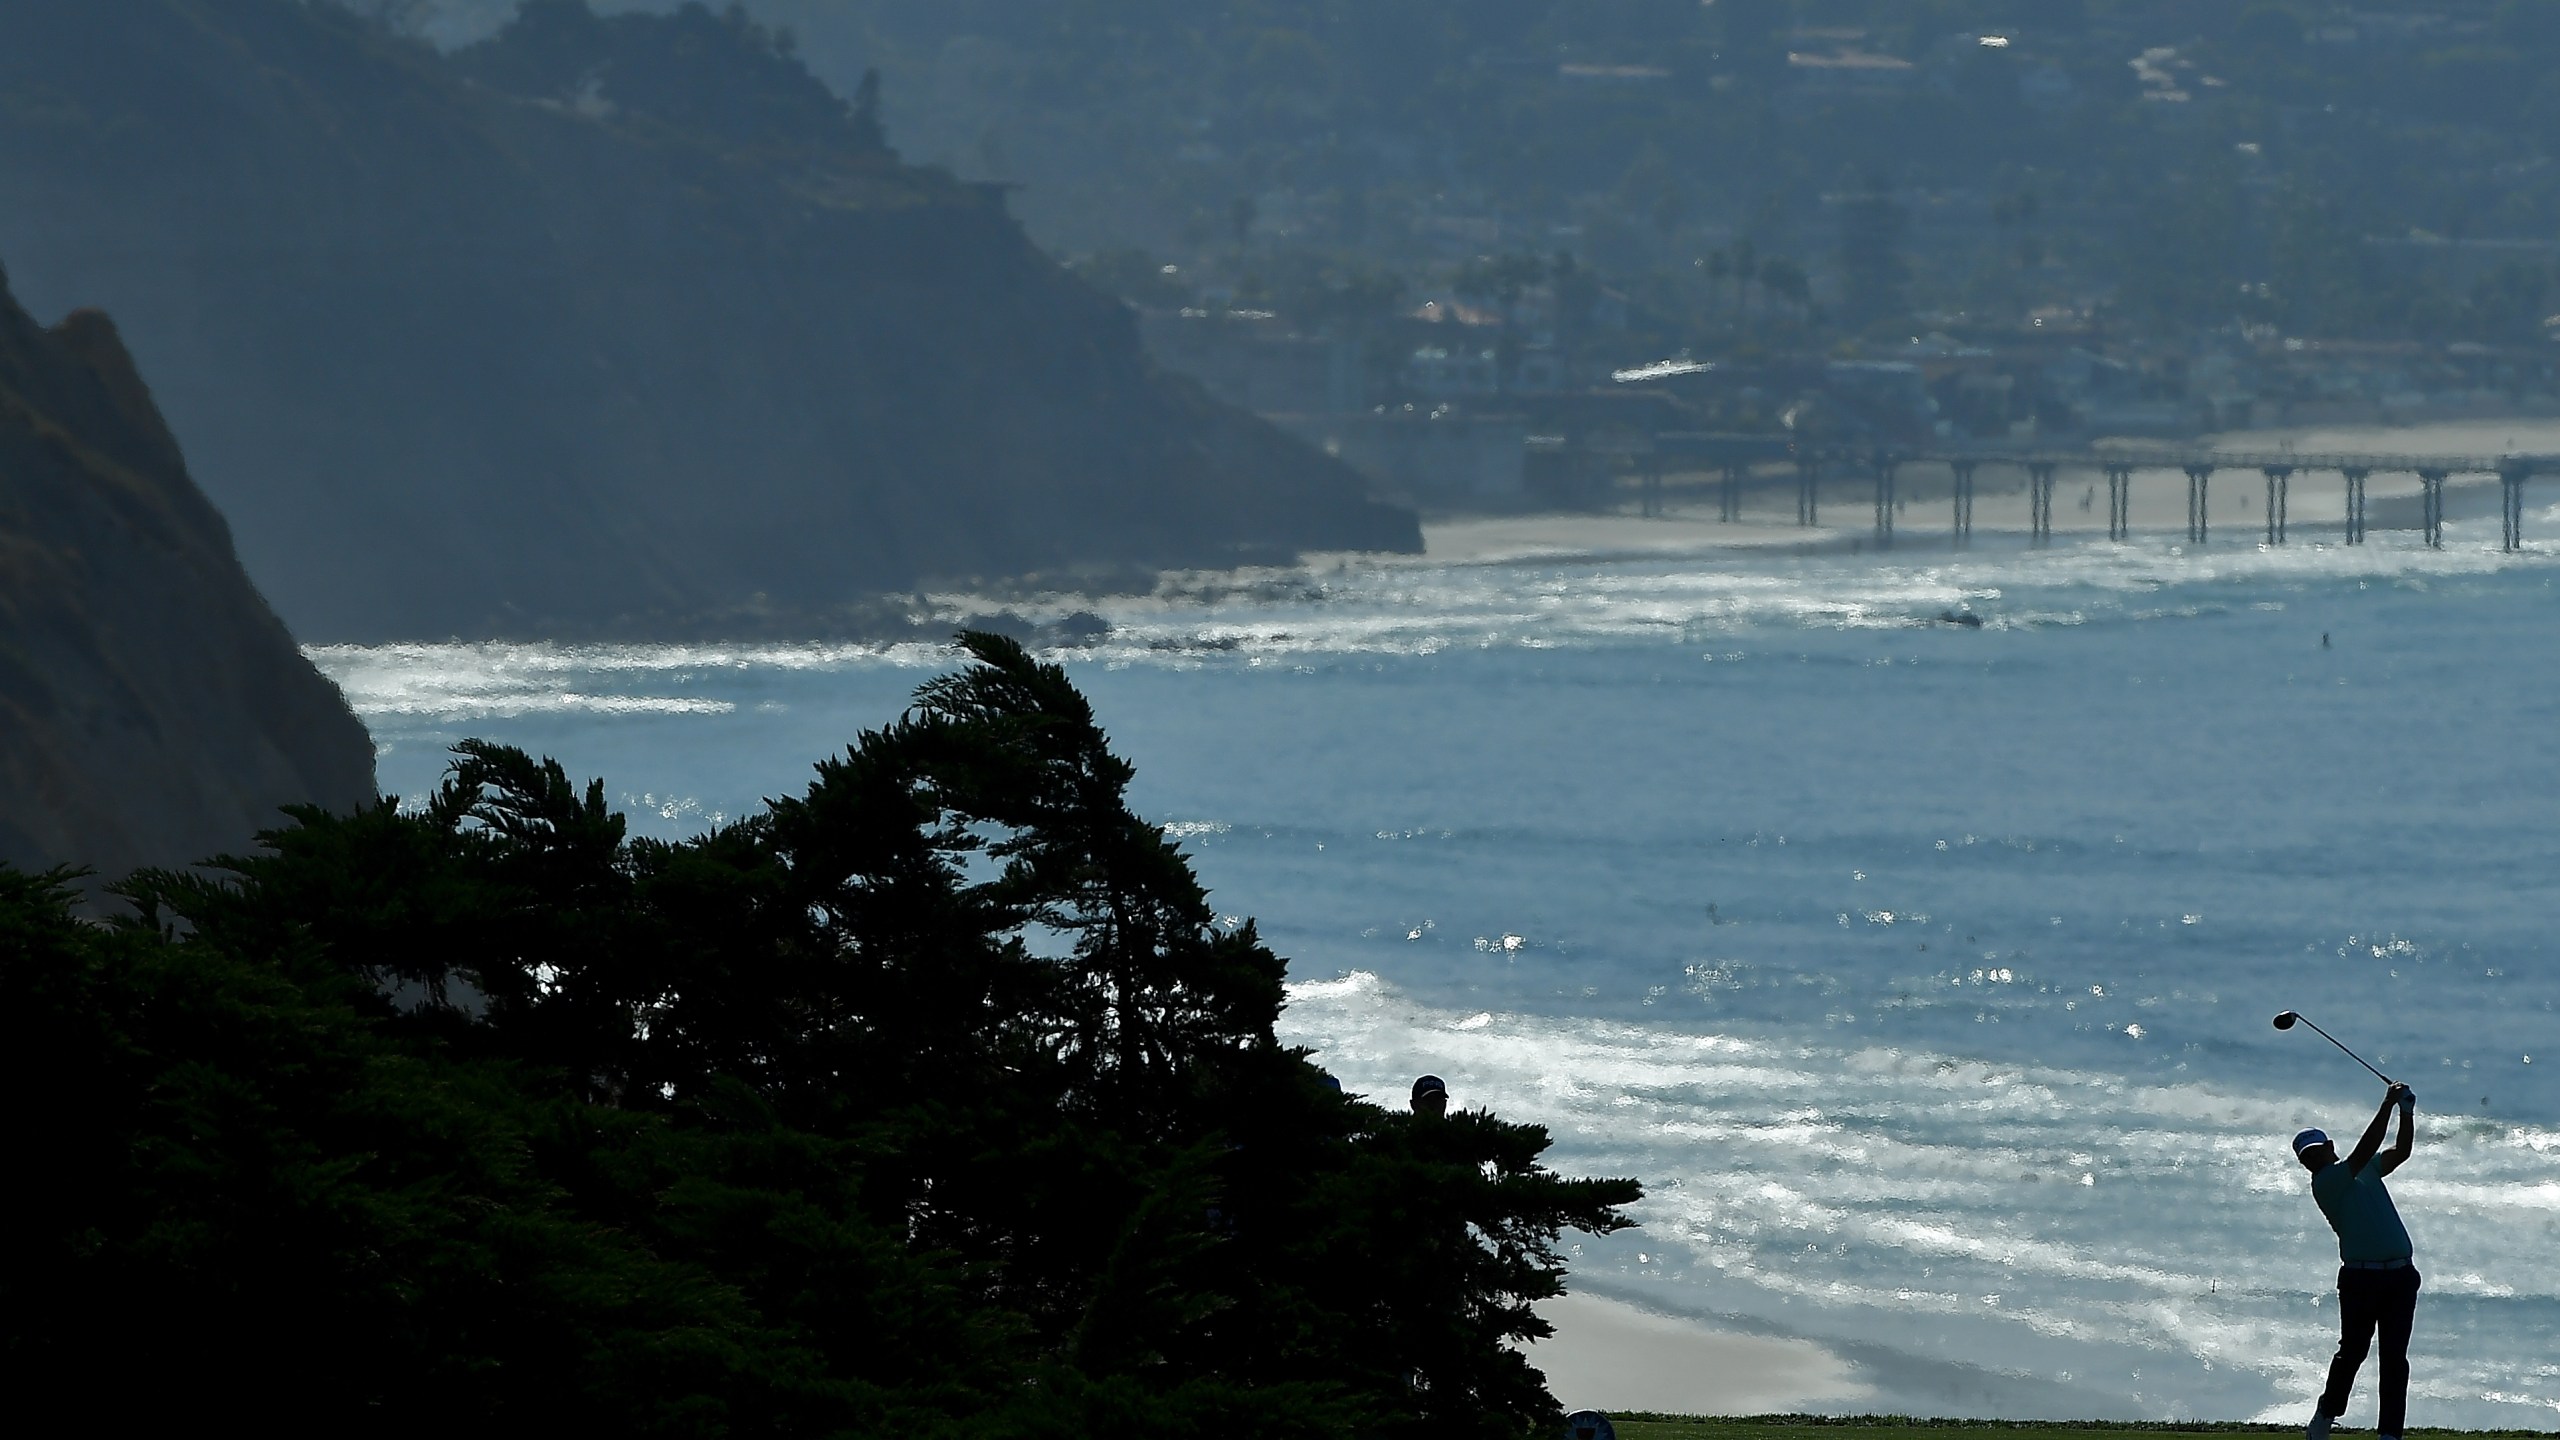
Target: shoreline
{"x":1609,"y":1350}
{"x":1042,"y":610}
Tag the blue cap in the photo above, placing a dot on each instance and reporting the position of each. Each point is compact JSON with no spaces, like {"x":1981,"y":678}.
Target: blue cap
{"x":2309,"y":1138}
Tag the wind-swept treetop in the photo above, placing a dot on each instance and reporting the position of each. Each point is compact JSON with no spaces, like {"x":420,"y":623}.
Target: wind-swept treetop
{"x":934,"y":1100}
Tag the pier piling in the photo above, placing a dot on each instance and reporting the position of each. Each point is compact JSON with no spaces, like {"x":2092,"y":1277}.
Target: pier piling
{"x":2199,"y":490}
{"x":2279,"y":500}
{"x":2040,"y":502}
{"x":1882,"y":463}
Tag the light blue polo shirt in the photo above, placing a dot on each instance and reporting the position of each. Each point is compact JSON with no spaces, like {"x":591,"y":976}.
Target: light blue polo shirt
{"x":2360,"y":1210}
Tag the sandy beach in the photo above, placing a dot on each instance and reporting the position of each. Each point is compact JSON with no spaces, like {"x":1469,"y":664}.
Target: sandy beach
{"x":1612,"y":1355}
{"x":1683,"y":531}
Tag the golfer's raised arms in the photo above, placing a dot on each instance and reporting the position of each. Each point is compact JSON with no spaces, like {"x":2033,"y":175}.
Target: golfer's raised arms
{"x":2408,"y":1131}
{"x":2371,"y":1144}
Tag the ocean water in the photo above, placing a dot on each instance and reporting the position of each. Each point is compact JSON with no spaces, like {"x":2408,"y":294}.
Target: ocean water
{"x":1923,"y":973}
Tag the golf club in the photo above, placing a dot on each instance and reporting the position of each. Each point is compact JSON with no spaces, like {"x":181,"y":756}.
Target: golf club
{"x":2287,"y":1020}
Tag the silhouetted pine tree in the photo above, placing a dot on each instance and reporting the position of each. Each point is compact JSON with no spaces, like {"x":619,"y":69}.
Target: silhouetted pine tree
{"x":932,"y":1101}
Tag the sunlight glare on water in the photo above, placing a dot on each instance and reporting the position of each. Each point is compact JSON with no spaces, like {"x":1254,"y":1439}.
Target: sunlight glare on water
{"x":1923,"y":973}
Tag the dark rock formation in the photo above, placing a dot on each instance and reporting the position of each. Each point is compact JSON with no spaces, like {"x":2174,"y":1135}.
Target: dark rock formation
{"x":600,"y":327}
{"x":153,"y":711}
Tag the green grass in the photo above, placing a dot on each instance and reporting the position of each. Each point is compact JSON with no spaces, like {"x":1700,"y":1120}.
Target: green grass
{"x":1641,"y":1426}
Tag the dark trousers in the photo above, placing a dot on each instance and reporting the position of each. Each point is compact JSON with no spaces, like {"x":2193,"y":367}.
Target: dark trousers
{"x":2370,"y":1300}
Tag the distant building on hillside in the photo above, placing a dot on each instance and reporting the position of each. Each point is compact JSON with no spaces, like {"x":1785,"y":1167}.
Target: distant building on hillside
{"x":2460,"y":262}
{"x":1455,"y":312}
{"x":1615,"y":76}
{"x":2391,"y":27}
{"x":1849,"y":73}
{"x":1476,"y":372}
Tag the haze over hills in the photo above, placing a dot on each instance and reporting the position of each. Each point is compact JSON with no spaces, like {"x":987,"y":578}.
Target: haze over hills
{"x":2159,"y":154}
{"x":2066,"y":219}
{"x":599,"y":328}
{"x":152,"y":710}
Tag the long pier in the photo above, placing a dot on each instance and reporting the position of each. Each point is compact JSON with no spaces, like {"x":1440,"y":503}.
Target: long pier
{"x":1735,"y":457}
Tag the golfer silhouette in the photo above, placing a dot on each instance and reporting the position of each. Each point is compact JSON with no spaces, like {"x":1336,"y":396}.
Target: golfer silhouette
{"x":2377,"y":1283}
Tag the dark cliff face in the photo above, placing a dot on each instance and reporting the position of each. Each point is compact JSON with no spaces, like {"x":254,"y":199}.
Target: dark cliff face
{"x":153,"y":711}
{"x":599,"y":328}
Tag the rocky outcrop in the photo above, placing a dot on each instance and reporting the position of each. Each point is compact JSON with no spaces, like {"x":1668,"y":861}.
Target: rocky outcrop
{"x":604,"y":326}
{"x":153,"y":710}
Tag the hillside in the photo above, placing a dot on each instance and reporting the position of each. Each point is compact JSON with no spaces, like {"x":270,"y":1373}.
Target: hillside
{"x":152,"y":710}
{"x":599,"y":328}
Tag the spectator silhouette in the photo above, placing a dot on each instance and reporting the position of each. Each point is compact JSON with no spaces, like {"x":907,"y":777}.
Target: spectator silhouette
{"x":1430,"y":1097}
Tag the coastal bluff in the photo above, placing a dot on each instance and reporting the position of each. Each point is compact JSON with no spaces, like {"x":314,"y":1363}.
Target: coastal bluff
{"x":606,"y":327}
{"x":153,"y":710}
